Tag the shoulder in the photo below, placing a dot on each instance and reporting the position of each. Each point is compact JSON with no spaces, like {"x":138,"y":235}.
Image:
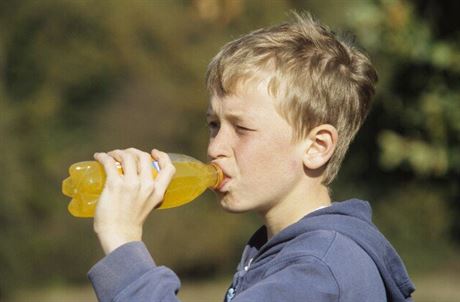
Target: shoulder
{"x":328,"y":247}
{"x":322,"y":244}
{"x":338,"y":257}
{"x":306,"y":250}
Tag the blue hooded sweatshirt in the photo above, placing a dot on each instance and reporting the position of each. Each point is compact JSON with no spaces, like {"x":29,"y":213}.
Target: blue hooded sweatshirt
{"x":332,"y":254}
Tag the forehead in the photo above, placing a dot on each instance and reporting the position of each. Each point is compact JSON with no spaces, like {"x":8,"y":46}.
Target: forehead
{"x":252,"y":101}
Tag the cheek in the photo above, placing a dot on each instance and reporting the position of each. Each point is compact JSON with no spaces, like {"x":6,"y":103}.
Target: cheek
{"x":262,"y":154}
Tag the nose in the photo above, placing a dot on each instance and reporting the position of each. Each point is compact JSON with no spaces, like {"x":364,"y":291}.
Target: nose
{"x":219,"y":145}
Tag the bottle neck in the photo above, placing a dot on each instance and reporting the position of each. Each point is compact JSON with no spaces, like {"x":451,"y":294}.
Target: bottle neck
{"x":219,"y":176}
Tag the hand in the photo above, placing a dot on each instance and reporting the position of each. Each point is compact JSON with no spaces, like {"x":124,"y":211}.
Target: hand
{"x":128,"y":198}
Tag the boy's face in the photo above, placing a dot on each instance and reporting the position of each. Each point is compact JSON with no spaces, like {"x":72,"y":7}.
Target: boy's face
{"x":253,"y":145}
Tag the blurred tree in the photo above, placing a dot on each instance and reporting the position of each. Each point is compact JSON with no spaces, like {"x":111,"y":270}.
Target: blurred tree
{"x":80,"y":76}
{"x":52,"y":63}
{"x":413,"y":134}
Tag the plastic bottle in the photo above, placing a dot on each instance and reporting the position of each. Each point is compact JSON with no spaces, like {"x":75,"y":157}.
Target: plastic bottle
{"x":192,"y":178}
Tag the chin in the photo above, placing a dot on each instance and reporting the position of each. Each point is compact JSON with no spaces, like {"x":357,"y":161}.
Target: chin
{"x":232,"y":206}
{"x":233,"y":210}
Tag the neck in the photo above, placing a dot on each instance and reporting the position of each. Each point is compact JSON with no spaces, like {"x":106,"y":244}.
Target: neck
{"x":291,"y":210}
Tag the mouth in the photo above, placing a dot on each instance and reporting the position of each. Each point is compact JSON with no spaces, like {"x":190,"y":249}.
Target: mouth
{"x":223,"y":185}
{"x":222,"y":188}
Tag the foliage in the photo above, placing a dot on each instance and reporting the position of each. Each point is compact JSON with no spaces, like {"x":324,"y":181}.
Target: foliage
{"x":413,"y":134}
{"x":417,"y":226}
{"x":420,"y":95}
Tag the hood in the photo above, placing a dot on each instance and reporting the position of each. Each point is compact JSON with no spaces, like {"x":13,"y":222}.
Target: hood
{"x":351,"y":218}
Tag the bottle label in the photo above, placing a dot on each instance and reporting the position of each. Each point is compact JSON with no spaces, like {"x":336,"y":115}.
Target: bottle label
{"x":156,"y":165}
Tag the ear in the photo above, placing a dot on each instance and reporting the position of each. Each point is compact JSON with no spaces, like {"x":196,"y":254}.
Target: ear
{"x":321,"y":143}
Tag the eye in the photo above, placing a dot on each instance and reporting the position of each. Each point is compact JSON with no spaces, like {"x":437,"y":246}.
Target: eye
{"x":242,"y":129}
{"x":212,"y":125}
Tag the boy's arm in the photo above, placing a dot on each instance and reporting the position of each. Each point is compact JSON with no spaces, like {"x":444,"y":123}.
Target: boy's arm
{"x":130,"y":274}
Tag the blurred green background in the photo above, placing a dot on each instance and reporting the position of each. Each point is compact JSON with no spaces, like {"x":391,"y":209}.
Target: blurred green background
{"x":83,"y":76}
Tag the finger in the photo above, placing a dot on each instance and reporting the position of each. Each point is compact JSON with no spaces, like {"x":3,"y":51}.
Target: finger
{"x":162,"y":158}
{"x":110,"y":165}
{"x":166,"y":173}
{"x":128,"y":162}
{"x":144,"y":163}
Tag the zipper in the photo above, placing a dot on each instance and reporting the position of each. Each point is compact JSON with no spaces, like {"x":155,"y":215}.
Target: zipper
{"x":246,"y":268}
{"x":231,"y":292}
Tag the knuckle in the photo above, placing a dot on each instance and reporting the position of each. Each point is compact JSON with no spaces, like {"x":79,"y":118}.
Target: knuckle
{"x":146,"y":156}
{"x":133,"y":150}
{"x":115,"y":151}
{"x":123,"y":153}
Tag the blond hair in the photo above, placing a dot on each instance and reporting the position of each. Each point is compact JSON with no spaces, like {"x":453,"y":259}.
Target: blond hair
{"x":314,"y":77}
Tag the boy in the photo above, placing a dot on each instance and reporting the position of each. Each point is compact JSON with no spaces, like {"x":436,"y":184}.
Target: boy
{"x":285,"y":103}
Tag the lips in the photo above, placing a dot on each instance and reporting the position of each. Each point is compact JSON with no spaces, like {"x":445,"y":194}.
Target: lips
{"x":222,"y":187}
{"x":225,"y":180}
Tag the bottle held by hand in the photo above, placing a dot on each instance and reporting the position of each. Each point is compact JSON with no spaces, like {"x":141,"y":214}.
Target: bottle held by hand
{"x":192,"y":178}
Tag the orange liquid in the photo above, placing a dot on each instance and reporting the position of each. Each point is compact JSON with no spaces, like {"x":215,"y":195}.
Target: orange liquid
{"x":87,"y":179}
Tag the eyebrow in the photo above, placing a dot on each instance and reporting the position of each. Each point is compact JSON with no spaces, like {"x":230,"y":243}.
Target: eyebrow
{"x":231,"y":116}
